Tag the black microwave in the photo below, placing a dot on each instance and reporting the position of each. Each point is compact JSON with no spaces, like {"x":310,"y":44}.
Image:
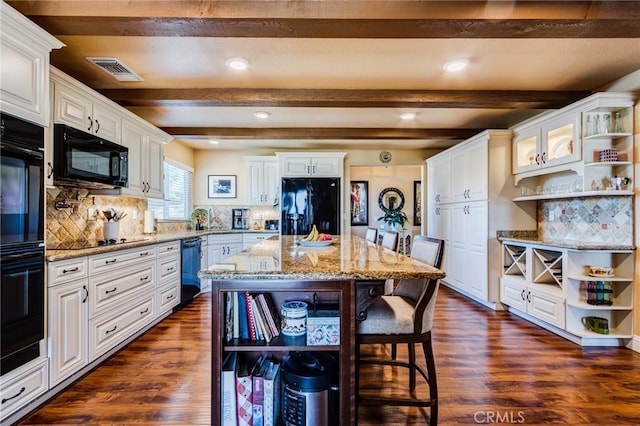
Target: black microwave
{"x":84,"y":160}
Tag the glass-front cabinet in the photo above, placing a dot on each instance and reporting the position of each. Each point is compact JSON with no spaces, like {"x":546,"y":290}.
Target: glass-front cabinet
{"x":555,"y":142}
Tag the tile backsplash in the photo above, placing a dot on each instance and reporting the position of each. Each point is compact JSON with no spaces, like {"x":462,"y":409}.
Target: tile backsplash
{"x":606,"y":220}
{"x":71,"y":222}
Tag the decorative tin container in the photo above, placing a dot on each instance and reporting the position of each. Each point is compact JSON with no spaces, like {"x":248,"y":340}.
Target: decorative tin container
{"x":323,"y":328}
{"x":294,"y":318}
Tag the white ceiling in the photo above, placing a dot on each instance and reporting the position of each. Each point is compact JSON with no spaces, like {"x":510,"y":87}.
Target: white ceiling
{"x":183,"y":62}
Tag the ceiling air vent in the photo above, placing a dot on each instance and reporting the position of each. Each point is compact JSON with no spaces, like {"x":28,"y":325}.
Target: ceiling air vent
{"x":116,"y":69}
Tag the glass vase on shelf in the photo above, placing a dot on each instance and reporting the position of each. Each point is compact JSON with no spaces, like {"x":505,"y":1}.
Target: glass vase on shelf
{"x":618,"y":126}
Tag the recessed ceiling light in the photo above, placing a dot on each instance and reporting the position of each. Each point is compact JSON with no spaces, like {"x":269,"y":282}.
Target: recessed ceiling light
{"x":456,"y":65}
{"x":237,"y":63}
{"x":262,"y":115}
{"x":214,"y":142}
{"x":406,"y":116}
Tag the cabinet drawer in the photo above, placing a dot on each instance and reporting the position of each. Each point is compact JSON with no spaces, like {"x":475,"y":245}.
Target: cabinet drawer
{"x":514,"y":295}
{"x":108,"y":290}
{"x":168,"y":297}
{"x":172,"y":247}
{"x":168,"y":268}
{"x":109,"y":330}
{"x":116,"y":259}
{"x":547,"y":307}
{"x":225,"y":239}
{"x":25,"y":388}
{"x":66,"y":270}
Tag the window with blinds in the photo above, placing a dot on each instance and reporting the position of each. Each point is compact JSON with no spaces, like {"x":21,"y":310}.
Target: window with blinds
{"x":177,"y":203}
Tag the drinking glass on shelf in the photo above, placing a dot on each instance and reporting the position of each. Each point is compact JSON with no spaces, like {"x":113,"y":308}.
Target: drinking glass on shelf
{"x":596,"y":124}
{"x":606,"y":122}
{"x":589,"y":126}
{"x":618,"y":127}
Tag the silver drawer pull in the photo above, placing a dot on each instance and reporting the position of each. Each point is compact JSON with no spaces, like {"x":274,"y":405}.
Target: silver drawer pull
{"x":22,"y":389}
{"x":66,"y":271}
{"x":144,"y":312}
{"x":111,"y":291}
{"x":110,"y":261}
{"x":112,"y":330}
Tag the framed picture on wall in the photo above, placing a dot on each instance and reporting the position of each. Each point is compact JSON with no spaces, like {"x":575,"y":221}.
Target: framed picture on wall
{"x":417,"y":203}
{"x":359,"y":203}
{"x":222,"y":186}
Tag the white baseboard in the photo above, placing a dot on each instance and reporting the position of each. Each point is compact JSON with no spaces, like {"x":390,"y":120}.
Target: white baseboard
{"x":634,"y":344}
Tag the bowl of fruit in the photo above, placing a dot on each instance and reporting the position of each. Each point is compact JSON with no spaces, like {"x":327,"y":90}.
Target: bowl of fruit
{"x":316,"y":239}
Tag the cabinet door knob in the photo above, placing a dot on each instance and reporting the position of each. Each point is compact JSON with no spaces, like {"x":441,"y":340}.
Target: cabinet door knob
{"x":90,"y":124}
{"x":529,"y":297}
{"x":86,"y":293}
{"x":544,"y":157}
{"x":50,"y":170}
{"x":97,"y":126}
{"x":538,"y":159}
{"x":522,"y":294}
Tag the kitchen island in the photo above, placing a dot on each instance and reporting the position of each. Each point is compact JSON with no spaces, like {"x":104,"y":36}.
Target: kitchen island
{"x":349,"y":273}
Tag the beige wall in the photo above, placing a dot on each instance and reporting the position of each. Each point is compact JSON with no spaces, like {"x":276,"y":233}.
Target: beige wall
{"x":179,"y":152}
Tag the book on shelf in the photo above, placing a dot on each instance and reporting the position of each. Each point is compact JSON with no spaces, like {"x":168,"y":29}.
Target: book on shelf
{"x":235,"y":316}
{"x":261,"y":321}
{"x":229,"y":371}
{"x":242,"y":316}
{"x":270,"y":316}
{"x":257,"y":375}
{"x":271,"y":399}
{"x":244,"y":394}
{"x":250,"y":318}
{"x":229,"y":307}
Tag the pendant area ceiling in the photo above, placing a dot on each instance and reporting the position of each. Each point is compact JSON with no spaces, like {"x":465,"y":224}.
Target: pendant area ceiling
{"x":339,"y":73}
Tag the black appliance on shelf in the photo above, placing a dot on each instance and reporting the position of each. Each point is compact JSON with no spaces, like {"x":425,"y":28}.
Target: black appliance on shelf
{"x":83,"y":159}
{"x":310,"y":201}
{"x":22,"y":264}
{"x":191,"y":252}
{"x":239,"y":218}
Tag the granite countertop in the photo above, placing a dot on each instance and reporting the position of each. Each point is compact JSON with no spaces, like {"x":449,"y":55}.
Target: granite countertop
{"x":144,"y":240}
{"x":531,"y":237}
{"x":349,"y":257}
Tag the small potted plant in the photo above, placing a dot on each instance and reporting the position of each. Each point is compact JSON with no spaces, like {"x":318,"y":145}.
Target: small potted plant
{"x":394,"y":218}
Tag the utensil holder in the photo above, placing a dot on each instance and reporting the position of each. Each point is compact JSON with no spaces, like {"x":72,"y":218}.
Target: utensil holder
{"x":111,"y":230}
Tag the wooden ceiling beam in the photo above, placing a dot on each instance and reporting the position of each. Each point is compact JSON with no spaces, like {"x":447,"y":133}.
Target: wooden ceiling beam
{"x":338,"y":19}
{"x":345,"y":98}
{"x":319,"y":133}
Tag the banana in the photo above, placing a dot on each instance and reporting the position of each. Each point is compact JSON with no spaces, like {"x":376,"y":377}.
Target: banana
{"x":313,"y":235}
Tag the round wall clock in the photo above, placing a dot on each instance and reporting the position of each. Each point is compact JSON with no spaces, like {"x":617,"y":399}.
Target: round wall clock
{"x":385,"y":157}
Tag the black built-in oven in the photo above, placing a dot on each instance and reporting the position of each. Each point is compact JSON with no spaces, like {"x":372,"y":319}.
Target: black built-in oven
{"x":22,"y":205}
{"x":22,"y":306}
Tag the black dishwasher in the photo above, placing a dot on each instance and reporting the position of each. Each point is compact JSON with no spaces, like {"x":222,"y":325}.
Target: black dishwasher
{"x":191,"y":251}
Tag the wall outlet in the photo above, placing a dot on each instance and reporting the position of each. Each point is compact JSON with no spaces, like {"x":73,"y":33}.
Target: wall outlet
{"x":135,"y":214}
{"x":91,"y":214}
{"x":552,"y":216}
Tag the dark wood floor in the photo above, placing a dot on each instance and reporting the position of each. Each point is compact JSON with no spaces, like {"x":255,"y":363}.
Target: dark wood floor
{"x":492,"y":368}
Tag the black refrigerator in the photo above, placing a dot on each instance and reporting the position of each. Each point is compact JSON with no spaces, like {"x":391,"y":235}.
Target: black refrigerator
{"x":310,"y":201}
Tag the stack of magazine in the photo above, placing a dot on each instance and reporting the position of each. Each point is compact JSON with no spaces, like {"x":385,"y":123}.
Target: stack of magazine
{"x":251,"y":317}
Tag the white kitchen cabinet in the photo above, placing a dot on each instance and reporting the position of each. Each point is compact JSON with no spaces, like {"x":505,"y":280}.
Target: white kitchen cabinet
{"x":554,"y":285}
{"x":264,"y":180}
{"x":547,"y":143}
{"x":68,"y":315}
{"x":68,"y":329}
{"x":533,"y":282}
{"x":146,"y":154}
{"x":469,"y":172}
{"x":169,"y":269}
{"x":439,"y":178}
{"x":473,"y":205}
{"x":575,"y":138}
{"x":24,"y":67}
{"x":222,"y":246}
{"x":78,"y":106}
{"x":18,"y":391}
{"x":317,"y":164}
